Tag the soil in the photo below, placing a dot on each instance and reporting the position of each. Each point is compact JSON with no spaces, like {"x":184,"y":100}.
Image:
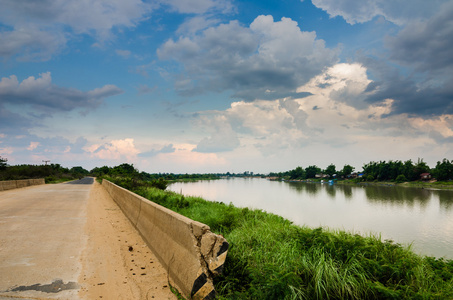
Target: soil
{"x":117,"y":263}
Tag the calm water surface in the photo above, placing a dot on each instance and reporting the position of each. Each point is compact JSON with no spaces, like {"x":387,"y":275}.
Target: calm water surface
{"x":405,"y":215}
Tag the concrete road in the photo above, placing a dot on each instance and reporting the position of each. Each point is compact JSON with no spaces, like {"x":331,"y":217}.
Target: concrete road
{"x":41,"y":240}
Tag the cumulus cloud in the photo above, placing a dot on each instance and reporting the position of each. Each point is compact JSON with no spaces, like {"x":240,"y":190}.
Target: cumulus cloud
{"x":222,"y":138}
{"x":33,"y":146}
{"x":38,"y":29}
{"x":40,"y":93}
{"x":343,"y":119}
{"x":114,"y":150}
{"x":31,"y":43}
{"x":266,"y":58}
{"x":396,"y":11}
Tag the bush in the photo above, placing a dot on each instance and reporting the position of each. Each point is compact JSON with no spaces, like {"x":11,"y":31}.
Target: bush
{"x":401,"y":178}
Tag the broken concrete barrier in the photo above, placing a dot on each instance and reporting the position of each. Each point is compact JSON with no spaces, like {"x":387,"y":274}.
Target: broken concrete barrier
{"x":190,"y":252}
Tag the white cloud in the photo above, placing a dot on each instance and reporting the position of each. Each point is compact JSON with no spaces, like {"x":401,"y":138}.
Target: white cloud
{"x":222,"y":138}
{"x":396,"y":11}
{"x":185,"y":158}
{"x":40,"y":29}
{"x":267,"y":56}
{"x":33,"y":146}
{"x":115,"y":150}
{"x":31,"y":43}
{"x":334,"y":119}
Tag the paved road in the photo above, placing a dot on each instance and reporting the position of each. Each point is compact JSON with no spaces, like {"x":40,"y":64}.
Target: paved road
{"x":42,"y":239}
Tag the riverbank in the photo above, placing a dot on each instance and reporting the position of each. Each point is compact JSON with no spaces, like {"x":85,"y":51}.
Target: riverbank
{"x":270,"y":258}
{"x":444,"y":185}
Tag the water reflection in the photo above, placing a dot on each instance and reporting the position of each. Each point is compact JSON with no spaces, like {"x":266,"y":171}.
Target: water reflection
{"x":445,"y":199}
{"x":347,"y":190}
{"x":309,"y":187}
{"x":399,"y":196}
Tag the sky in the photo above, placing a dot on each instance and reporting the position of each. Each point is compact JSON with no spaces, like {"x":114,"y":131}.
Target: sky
{"x":207,"y":86}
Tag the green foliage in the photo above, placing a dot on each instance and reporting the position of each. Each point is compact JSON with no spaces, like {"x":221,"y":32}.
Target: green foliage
{"x":347,"y":170}
{"x":3,"y":164}
{"x":389,"y":171}
{"x":331,"y":170}
{"x":270,"y":258}
{"x":444,"y":170}
{"x":51,"y":173}
{"x":297,"y":173}
{"x":401,"y":178}
{"x":311,"y":171}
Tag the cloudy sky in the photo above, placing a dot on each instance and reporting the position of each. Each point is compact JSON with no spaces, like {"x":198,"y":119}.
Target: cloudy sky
{"x":222,"y":85}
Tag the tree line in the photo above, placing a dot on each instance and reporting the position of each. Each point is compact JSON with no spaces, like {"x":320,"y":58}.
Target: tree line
{"x":50,"y":172}
{"x":397,"y":171}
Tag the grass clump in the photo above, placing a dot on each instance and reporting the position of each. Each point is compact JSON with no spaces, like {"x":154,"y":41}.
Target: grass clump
{"x":270,"y":258}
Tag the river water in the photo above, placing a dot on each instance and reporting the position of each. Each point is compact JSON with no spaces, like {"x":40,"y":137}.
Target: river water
{"x":421,"y":217}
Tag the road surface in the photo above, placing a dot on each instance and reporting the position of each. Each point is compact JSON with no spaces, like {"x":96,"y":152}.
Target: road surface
{"x":71,"y":241}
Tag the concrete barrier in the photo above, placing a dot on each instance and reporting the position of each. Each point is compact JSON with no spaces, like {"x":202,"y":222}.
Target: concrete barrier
{"x":190,"y":252}
{"x":15,"y":184}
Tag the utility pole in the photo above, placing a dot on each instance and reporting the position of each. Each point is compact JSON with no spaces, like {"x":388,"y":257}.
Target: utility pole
{"x":46,"y":161}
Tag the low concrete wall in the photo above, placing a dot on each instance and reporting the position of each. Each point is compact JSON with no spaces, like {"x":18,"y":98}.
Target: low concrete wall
{"x":15,"y":184}
{"x":189,"y":251}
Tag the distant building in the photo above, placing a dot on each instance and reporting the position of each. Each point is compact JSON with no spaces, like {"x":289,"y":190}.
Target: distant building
{"x":425,"y":176}
{"x":322,"y":175}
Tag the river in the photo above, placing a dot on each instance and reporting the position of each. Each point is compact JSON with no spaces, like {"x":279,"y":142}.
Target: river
{"x":421,"y":217}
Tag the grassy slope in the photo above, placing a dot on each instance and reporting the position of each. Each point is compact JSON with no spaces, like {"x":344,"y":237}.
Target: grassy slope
{"x":270,"y":258}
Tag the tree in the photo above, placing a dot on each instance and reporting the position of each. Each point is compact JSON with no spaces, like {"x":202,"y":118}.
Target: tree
{"x":443,"y":170}
{"x":311,"y":171}
{"x":347,"y":170}
{"x":297,"y":173}
{"x":331,"y":170}
{"x":3,"y":163}
{"x":421,"y":167}
{"x":401,"y":178}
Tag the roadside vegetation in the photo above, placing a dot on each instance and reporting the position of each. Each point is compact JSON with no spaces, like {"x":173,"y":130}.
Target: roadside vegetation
{"x":270,"y":258}
{"x":52,"y":173}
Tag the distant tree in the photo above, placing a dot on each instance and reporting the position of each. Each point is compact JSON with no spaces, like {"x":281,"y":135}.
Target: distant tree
{"x":125,"y":169}
{"x":297,"y":173}
{"x":421,"y":167}
{"x":331,"y":170}
{"x":409,"y":171}
{"x":347,"y":170}
{"x":401,"y":178}
{"x":3,"y":162}
{"x":78,"y":172}
{"x":311,"y":171}
{"x":443,"y":170}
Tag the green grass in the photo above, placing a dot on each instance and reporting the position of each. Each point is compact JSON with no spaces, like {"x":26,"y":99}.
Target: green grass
{"x":270,"y":258}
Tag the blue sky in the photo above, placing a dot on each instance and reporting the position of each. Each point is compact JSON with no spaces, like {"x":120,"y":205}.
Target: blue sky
{"x":218,"y":85}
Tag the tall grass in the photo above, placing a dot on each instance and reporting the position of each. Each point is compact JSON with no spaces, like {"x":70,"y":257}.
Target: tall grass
{"x":270,"y":258}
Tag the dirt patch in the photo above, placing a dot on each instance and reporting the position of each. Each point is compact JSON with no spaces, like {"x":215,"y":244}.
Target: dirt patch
{"x":117,"y":263}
